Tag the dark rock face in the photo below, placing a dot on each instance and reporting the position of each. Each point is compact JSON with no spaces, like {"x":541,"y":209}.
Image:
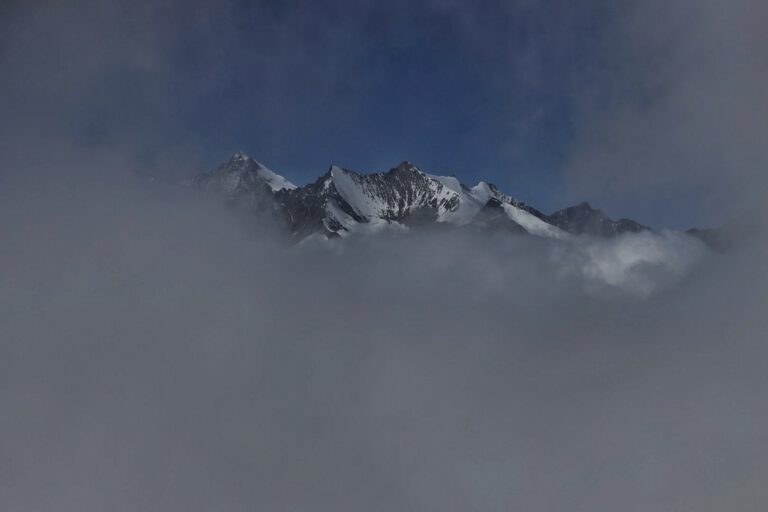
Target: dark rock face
{"x":582,"y":219}
{"x":501,"y":197}
{"x":493,"y":216}
{"x":342,"y":201}
{"x":305,"y":209}
{"x":239,"y":178}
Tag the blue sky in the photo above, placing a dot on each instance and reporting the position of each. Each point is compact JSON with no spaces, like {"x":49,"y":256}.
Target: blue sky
{"x":554,"y":101}
{"x":463,"y":90}
{"x":482,"y":90}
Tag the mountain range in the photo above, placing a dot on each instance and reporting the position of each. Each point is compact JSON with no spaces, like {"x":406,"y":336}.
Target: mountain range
{"x":342,"y":202}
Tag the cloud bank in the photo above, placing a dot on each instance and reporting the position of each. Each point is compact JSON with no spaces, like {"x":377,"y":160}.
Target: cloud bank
{"x":676,"y":114}
{"x":162,"y":354}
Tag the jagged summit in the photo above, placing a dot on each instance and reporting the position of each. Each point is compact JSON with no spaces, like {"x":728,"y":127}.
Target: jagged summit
{"x":342,"y":201}
{"x":240,"y":156}
{"x":405,"y":165}
{"x":243,"y":174}
{"x":584,"y":219}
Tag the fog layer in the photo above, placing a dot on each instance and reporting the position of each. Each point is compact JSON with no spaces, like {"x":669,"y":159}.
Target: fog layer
{"x":161,"y":354}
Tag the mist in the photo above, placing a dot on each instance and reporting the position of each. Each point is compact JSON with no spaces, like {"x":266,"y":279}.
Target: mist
{"x":676,"y":114}
{"x":162,"y":352}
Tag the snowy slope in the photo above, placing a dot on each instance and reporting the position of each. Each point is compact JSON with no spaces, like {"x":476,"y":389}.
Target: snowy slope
{"x":468,"y":203}
{"x":395,"y":195}
{"x":533,"y":224}
{"x":275,"y":181}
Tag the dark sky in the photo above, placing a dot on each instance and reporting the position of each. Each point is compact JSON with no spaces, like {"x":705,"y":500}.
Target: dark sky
{"x":554,"y":101}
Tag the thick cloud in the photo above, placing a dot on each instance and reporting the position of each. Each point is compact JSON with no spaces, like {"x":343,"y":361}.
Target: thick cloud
{"x":677,"y":114}
{"x":158,"y":354}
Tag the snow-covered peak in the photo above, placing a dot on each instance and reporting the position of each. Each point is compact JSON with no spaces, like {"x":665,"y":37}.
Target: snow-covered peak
{"x":482,"y":190}
{"x":343,"y":201}
{"x":241,"y":175}
{"x":242,"y":163}
{"x":393,"y":196}
{"x":336,"y":171}
{"x":406,"y":165}
{"x":472,"y":200}
{"x":240,"y":156}
{"x":450,"y":182}
{"x":274,"y":180}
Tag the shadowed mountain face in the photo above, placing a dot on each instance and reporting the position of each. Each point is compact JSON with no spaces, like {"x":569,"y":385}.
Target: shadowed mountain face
{"x":241,"y":176}
{"x":341,"y":202}
{"x":583,"y":219}
{"x":246,"y":184}
{"x":493,"y":215}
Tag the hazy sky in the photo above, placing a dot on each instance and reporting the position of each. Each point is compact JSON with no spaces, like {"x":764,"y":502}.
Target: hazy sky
{"x":555,"y":101}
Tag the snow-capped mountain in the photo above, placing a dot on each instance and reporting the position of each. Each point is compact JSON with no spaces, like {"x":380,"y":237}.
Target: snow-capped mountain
{"x":342,"y":202}
{"x":242,"y":175}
